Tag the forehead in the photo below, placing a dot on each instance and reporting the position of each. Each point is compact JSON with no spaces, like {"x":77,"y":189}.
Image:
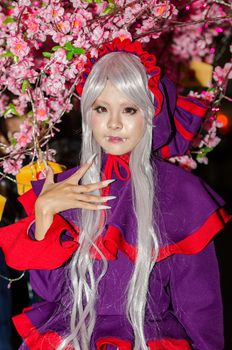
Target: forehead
{"x":111,"y":94}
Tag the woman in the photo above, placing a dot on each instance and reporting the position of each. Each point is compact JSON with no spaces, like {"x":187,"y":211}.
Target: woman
{"x":124,"y":264}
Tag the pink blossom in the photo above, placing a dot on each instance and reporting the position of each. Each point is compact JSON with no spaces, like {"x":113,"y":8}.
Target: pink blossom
{"x":212,"y":140}
{"x":203,"y":160}
{"x":12,"y":165}
{"x":22,"y":139}
{"x":122,"y":34}
{"x":220,"y":73}
{"x":78,"y":22}
{"x":63,"y":26}
{"x":54,"y":85}
{"x":18,"y":46}
{"x":60,"y":56}
{"x":185,"y":161}
{"x":97,"y":34}
{"x":41,"y":112}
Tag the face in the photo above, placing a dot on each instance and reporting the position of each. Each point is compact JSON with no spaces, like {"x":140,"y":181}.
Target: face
{"x":117,"y":122}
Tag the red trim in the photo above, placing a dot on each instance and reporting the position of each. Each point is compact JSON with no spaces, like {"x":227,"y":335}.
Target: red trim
{"x":102,"y":343}
{"x":165,"y":152}
{"x":185,"y":133}
{"x":194,"y":243}
{"x":158,"y":344}
{"x":169,"y":344}
{"x":33,"y":338}
{"x":191,"y":107}
{"x":50,"y":340}
{"x":28,"y":201}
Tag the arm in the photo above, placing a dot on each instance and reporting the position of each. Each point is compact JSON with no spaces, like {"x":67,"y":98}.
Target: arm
{"x":196,"y":298}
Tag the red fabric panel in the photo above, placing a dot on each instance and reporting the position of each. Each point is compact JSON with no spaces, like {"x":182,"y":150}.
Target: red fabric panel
{"x":33,"y":338}
{"x":102,"y":343}
{"x":194,"y":243}
{"x":169,"y":344}
{"x":165,"y":152}
{"x":28,"y":201}
{"x":185,"y":133}
{"x":191,"y":107}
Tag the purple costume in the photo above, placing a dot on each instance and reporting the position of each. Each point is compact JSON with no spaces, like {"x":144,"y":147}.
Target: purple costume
{"x":184,"y":300}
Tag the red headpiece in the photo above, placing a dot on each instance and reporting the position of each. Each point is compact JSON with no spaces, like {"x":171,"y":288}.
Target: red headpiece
{"x":148,"y":61}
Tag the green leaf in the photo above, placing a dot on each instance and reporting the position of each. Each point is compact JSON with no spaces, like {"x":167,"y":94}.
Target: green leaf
{"x":47,"y":54}
{"x":13,"y":141}
{"x":25,"y":85}
{"x":78,"y":51}
{"x":204,"y":151}
{"x":7,"y":54}
{"x":45,"y":122}
{"x":98,"y":1}
{"x":9,"y":19}
{"x":30,"y":113}
{"x":55,"y":48}
{"x":68,"y":46}
{"x":111,"y":2}
{"x":15,"y":59}
{"x":69,"y":55}
{"x":11,"y":110}
{"x":109,"y":9}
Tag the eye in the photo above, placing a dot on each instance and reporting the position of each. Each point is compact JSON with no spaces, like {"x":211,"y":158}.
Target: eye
{"x":130,"y":110}
{"x":100,"y":109}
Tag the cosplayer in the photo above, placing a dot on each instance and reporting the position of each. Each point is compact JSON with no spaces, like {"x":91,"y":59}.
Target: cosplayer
{"x":120,"y":250}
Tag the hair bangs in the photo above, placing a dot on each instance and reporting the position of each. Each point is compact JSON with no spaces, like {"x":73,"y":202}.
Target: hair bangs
{"x":127,"y":74}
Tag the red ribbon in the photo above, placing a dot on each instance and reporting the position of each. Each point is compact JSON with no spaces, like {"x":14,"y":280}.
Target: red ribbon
{"x":113,"y":163}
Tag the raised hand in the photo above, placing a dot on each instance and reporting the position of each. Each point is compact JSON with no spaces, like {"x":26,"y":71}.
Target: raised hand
{"x":67,"y":194}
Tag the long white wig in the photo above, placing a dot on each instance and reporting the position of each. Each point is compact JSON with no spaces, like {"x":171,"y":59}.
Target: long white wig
{"x":128,"y":75}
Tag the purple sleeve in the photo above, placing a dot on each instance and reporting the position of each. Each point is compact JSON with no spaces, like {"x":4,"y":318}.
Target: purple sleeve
{"x":196,"y":298}
{"x":48,"y":284}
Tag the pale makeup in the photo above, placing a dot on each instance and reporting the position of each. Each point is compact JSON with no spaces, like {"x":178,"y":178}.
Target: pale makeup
{"x":117,"y":122}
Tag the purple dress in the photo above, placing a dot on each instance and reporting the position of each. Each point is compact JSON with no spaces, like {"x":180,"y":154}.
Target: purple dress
{"x":184,"y":309}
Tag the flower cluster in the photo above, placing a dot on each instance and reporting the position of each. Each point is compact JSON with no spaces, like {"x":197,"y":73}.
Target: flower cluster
{"x":45,"y":44}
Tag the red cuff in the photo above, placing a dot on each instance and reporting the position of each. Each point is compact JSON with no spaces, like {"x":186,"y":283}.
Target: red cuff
{"x":28,"y":201}
{"x":23,"y":253}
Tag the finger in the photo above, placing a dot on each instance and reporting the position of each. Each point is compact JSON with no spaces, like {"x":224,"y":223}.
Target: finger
{"x":90,"y":206}
{"x":92,"y":187}
{"x":82,"y":170}
{"x":49,"y":178}
{"x":94,"y":199}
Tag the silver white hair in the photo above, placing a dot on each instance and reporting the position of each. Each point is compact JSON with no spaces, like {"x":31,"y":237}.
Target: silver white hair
{"x":128,"y":75}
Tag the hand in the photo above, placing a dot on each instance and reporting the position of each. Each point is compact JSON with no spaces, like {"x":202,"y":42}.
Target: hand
{"x":67,"y":194}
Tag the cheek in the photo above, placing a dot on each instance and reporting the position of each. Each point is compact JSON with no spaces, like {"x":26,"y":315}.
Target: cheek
{"x":137,"y":128}
{"x":94,"y":123}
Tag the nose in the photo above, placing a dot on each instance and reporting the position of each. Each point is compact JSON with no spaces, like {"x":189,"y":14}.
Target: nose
{"x":115,"y":121}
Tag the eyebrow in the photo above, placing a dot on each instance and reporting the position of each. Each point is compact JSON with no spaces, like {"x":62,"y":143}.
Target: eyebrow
{"x":131,"y":104}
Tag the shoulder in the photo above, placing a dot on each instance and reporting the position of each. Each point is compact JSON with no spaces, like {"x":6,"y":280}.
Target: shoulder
{"x":189,"y":211}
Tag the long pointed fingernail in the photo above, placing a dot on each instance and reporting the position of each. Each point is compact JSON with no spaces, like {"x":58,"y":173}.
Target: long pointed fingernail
{"x":89,"y":161}
{"x":104,"y":207}
{"x":107,"y":182}
{"x":108,"y":198}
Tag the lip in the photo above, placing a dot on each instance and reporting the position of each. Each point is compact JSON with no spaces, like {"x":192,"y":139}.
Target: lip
{"x":115,"y":139}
